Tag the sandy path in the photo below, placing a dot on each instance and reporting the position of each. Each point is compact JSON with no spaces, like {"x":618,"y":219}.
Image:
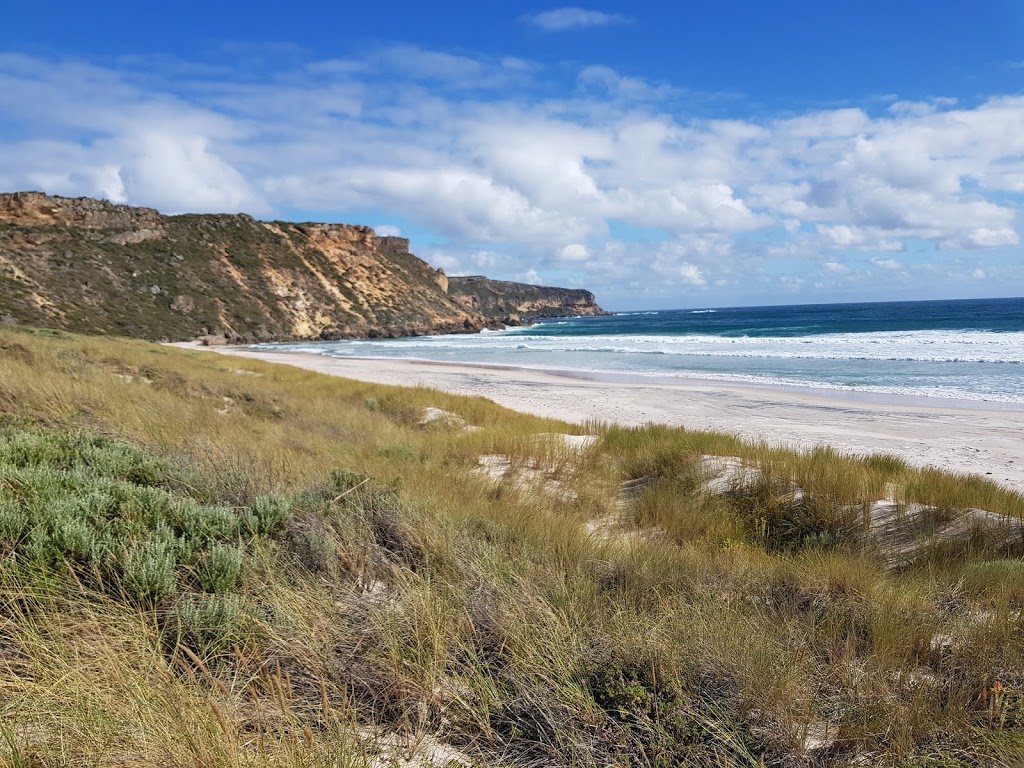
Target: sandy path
{"x":953,"y":435}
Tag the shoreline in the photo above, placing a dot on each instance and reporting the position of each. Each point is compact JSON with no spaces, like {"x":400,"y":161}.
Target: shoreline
{"x":965,"y":436}
{"x":880,"y":397}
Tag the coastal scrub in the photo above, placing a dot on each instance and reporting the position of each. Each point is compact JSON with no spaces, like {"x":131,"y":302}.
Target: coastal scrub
{"x":221,"y":562}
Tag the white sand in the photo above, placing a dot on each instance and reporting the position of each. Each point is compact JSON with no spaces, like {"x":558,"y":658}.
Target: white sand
{"x":959,"y":436}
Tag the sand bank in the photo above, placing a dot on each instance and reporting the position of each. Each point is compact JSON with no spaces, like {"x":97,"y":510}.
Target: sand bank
{"x":958,"y":436}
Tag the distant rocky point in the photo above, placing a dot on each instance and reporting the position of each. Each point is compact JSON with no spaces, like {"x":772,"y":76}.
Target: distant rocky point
{"x":521,"y":301}
{"x":92,"y":266}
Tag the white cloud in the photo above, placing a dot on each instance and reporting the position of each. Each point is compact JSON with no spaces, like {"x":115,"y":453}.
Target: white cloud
{"x":531,"y":277}
{"x":889,"y":246}
{"x":419,"y":63}
{"x":459,"y":201}
{"x":842,"y":235}
{"x":917,"y":108}
{"x":610,"y":82}
{"x":986,"y":237}
{"x":485,"y":260}
{"x":574,"y":252}
{"x":179,"y":174}
{"x":544,"y":158}
{"x":692,"y":274}
{"x":613,"y":182}
{"x":562,"y":19}
{"x":791,"y":282}
{"x":387,"y":230}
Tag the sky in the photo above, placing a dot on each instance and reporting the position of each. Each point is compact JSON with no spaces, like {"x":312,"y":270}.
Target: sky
{"x":691,"y":154}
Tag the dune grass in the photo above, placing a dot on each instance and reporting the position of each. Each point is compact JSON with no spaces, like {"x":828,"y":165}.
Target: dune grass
{"x":216,"y":561}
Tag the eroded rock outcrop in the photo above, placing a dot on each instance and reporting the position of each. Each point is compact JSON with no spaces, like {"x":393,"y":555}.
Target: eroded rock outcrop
{"x":41,"y":210}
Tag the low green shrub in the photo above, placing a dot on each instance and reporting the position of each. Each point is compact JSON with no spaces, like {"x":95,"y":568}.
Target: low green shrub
{"x":343,"y":480}
{"x":78,"y":451}
{"x":266,"y":515}
{"x":220,"y":568}
{"x":89,"y":503}
{"x":401,"y":453}
{"x":208,"y":623}
{"x":149,"y":571}
{"x":663,"y":725}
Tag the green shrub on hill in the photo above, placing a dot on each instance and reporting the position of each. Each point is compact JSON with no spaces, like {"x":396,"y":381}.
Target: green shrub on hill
{"x":118,"y":517}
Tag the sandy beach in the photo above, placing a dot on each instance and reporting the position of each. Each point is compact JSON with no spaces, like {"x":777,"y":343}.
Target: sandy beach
{"x":959,"y":436}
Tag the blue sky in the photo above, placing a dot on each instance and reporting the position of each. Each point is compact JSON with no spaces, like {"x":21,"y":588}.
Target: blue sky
{"x":661,"y":154}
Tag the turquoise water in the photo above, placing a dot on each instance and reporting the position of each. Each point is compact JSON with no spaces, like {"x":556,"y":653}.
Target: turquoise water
{"x":967,"y":350}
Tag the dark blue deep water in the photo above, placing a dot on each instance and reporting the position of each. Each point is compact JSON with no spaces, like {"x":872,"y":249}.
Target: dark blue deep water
{"x":995,"y":315}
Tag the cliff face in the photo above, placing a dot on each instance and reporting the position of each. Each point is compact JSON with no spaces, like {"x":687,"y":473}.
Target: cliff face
{"x":90,"y":266}
{"x":512,"y":302}
{"x":34,"y":209}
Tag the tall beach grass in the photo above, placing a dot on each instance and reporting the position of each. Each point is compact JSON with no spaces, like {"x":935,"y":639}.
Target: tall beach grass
{"x":215,"y":561}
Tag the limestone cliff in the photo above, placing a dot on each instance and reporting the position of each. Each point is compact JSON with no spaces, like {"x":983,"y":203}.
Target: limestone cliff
{"x":513,"y":302}
{"x":91,"y":266}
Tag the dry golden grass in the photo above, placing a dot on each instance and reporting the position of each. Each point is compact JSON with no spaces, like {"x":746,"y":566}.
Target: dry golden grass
{"x":405,"y":595}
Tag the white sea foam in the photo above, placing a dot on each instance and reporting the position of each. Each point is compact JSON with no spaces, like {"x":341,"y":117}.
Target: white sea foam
{"x":951,"y":393}
{"x":924,"y":363}
{"x":916,"y":346}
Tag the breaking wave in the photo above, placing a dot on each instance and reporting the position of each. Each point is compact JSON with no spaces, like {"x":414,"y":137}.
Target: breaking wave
{"x":774,"y":346}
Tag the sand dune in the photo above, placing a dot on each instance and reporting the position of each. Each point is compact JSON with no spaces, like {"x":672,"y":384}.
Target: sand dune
{"x":959,"y":436}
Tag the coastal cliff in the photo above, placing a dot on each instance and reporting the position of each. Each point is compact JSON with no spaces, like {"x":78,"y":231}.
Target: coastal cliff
{"x":95,"y":267}
{"x":513,"y":302}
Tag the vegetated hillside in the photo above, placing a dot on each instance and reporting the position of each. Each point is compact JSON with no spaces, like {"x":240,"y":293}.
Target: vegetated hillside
{"x":214,"y":561}
{"x":91,"y":266}
{"x":514,"y":301}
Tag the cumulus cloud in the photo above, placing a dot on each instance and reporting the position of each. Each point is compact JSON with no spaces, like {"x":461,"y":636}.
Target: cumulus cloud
{"x":859,"y":238}
{"x":181,"y":173}
{"x":574,"y":252}
{"x":562,"y":19}
{"x":531,"y":276}
{"x":613,"y":183}
{"x":692,"y":275}
{"x":461,"y":202}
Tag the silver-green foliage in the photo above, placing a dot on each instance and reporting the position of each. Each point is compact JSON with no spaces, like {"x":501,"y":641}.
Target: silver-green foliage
{"x":209,"y":623}
{"x":149,"y":571}
{"x":110,"y":509}
{"x":220,"y":568}
{"x":267,"y":515}
{"x":82,"y":452}
{"x":12,"y":521}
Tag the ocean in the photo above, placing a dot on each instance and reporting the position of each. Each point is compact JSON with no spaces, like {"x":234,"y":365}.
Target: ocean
{"x":954,"y":350}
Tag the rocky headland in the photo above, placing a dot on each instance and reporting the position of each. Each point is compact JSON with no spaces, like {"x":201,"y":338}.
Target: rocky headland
{"x":92,"y":266}
{"x":520,"y":301}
